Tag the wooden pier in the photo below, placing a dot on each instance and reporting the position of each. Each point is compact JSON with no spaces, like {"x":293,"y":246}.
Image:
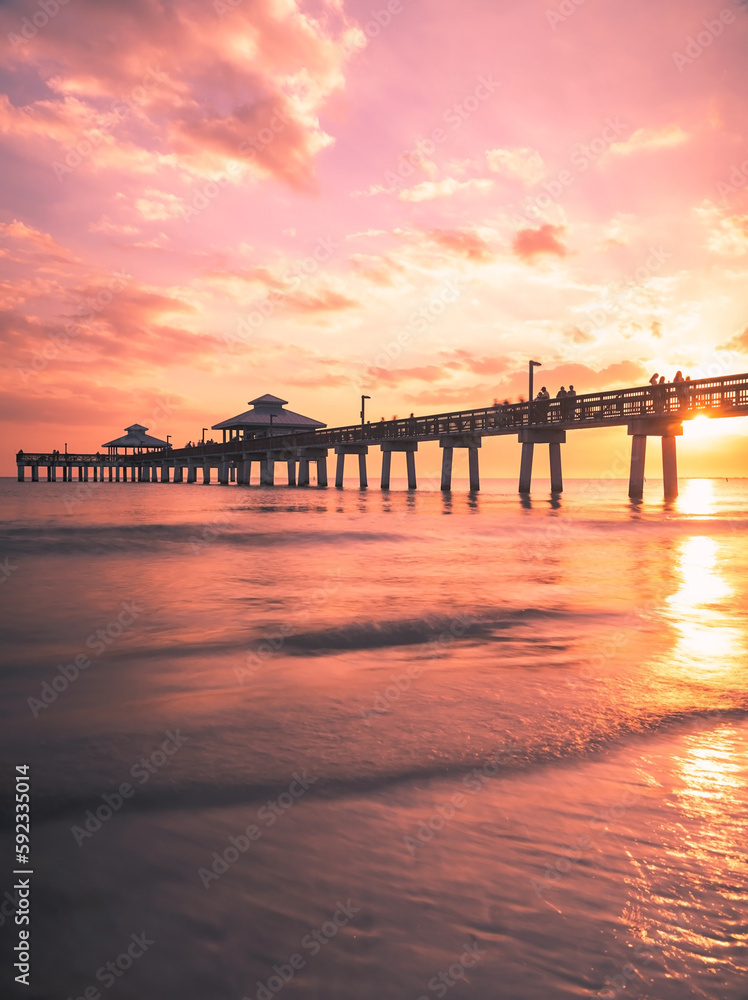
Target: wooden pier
{"x":650,"y":411}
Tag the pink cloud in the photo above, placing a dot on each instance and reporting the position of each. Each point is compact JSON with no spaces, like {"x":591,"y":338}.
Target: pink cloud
{"x":465,"y":242}
{"x":530,"y":243}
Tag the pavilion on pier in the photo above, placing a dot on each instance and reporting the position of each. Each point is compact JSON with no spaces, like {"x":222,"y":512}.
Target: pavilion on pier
{"x":268,"y":416}
{"x":137,"y":439}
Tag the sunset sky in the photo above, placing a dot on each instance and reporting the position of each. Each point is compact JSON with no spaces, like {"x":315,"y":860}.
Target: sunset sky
{"x":207,"y":201}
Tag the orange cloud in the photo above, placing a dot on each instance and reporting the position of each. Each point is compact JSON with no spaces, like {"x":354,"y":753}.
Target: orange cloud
{"x":529,"y":243}
{"x":462,"y":241}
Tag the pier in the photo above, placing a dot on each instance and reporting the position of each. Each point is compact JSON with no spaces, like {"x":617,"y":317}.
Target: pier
{"x":649,"y":411}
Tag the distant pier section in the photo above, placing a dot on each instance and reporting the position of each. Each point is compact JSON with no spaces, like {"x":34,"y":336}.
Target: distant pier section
{"x":255,"y":442}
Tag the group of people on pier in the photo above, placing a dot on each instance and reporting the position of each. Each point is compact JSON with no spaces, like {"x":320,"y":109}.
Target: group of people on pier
{"x":542,"y":401}
{"x":660,"y":393}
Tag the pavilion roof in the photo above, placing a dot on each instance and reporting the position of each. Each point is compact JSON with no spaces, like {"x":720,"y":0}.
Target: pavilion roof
{"x":135,"y":438}
{"x":264,"y":408}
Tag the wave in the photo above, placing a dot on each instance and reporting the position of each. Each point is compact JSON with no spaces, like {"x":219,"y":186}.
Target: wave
{"x":506,"y":761}
{"x":105,"y":539}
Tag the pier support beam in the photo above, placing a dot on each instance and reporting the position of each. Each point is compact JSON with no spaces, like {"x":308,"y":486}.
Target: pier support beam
{"x":267,"y":472}
{"x":447,"y":457}
{"x":243,"y":471}
{"x":223,"y":473}
{"x":291,"y":466}
{"x":206,"y":473}
{"x":410,"y":448}
{"x":386,"y":468}
{"x":305,"y":455}
{"x":34,"y":473}
{"x":669,"y":467}
{"x":557,"y":479}
{"x":191,"y":472}
{"x":525,"y":466}
{"x":451,"y":441}
{"x":164,"y":473}
{"x":638,"y":458}
{"x":178,"y":474}
{"x":667,"y":429}
{"x":529,"y":437}
{"x":341,"y":450}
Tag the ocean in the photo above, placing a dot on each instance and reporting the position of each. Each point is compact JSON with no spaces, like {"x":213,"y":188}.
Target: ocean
{"x":341,"y":744}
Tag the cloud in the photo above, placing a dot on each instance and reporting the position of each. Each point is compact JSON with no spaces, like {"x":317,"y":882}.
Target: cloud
{"x":521,"y":163}
{"x":529,"y":243}
{"x":325,"y":300}
{"x":430,"y":190}
{"x":395,"y":376}
{"x":737,"y":343}
{"x":730,"y":238}
{"x":644,"y":139}
{"x":465,"y":242}
{"x":173,"y":84}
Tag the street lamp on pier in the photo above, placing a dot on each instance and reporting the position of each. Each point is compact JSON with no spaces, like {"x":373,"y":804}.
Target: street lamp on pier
{"x":363,"y":404}
{"x":531,"y":366}
{"x":204,"y":430}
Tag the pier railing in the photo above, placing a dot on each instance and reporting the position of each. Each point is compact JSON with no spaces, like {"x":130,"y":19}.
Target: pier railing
{"x":722,"y":397}
{"x":716,"y":397}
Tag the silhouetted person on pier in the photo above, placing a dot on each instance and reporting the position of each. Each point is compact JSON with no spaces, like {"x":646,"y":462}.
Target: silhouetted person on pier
{"x":543,"y":400}
{"x":681,"y":389}
{"x":655,"y":378}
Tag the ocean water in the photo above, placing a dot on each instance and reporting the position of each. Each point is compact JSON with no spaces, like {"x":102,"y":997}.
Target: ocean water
{"x":341,"y":744}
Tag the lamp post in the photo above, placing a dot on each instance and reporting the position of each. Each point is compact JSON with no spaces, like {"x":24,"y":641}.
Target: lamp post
{"x":532,"y":364}
{"x":167,"y":442}
{"x":204,"y":430}
{"x":363,"y":404}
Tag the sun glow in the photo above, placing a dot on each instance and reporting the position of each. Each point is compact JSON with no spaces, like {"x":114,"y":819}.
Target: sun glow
{"x":701,"y":427}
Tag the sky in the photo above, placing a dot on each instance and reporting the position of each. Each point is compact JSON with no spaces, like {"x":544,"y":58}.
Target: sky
{"x":206,"y":201}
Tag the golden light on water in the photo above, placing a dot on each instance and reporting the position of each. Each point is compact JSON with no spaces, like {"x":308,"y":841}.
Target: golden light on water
{"x":697,"y":497}
{"x":708,"y":644}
